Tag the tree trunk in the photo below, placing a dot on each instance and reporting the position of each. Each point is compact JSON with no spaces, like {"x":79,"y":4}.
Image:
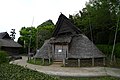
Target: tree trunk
{"x":112,"y":55}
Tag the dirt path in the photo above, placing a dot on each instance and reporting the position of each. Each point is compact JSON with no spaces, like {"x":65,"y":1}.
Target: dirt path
{"x":70,"y":71}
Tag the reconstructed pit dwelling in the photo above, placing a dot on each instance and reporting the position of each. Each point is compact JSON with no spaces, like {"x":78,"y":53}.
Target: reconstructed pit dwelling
{"x":68,"y":43}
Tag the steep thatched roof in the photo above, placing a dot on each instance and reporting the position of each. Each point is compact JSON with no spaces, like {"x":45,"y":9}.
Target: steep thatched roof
{"x":64,"y":25}
{"x":82,"y":47}
{"x":44,"y":51}
{"x":6,"y":41}
{"x":4,"y":35}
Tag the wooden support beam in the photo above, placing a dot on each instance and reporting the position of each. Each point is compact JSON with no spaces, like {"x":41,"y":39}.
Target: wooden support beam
{"x":53,"y":50}
{"x":78,"y":62}
{"x":64,"y":62}
{"x":49,"y":61}
{"x":28,"y":58}
{"x":93,"y":62}
{"x":34,"y":60}
{"x":43,"y":60}
{"x":104,"y":61}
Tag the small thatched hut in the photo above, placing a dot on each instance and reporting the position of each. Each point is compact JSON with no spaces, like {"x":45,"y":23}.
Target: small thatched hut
{"x":68,"y":42}
{"x":8,"y":45}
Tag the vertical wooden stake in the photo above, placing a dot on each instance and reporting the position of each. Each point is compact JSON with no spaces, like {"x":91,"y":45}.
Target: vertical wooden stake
{"x":104,"y":61}
{"x":49,"y":61}
{"x":63,"y":62}
{"x":93,"y":63}
{"x":78,"y":62}
{"x":34,"y":60}
{"x":43,"y":60}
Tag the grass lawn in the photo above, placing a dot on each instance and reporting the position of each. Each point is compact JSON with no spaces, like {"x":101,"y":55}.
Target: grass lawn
{"x":15,"y":72}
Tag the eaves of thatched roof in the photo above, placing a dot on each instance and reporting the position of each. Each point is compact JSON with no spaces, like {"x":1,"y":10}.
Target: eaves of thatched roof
{"x":44,"y":51}
{"x":61,"y":39}
{"x":9,"y":43}
{"x":82,"y":47}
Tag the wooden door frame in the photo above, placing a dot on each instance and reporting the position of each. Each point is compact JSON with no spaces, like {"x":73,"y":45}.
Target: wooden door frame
{"x":53,"y":50}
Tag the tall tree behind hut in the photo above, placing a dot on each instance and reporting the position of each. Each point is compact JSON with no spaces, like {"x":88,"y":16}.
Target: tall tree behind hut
{"x":103,"y":20}
{"x":44,"y":32}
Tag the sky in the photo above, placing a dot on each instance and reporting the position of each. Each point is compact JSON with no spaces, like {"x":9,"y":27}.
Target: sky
{"x":15,"y":14}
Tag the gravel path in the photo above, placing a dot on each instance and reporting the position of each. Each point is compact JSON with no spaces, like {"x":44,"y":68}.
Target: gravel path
{"x":70,"y":71}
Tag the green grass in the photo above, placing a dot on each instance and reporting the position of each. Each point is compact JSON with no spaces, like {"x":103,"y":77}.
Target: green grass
{"x":39,"y":62}
{"x":15,"y":72}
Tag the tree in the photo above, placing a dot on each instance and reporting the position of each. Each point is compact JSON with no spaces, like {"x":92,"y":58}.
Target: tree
{"x":101,"y":16}
{"x":34,"y":37}
{"x":12,"y":34}
{"x":45,"y":31}
{"x":27,"y":36}
{"x":117,"y":11}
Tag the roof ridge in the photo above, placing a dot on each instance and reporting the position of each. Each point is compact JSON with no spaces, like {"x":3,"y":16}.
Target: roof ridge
{"x":64,"y":20}
{"x":2,"y":34}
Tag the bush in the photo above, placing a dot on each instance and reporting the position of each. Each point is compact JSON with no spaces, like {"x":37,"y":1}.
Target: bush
{"x":107,"y":49}
{"x":15,"y":72}
{"x":3,"y":57}
{"x":40,"y":62}
{"x":117,"y":50}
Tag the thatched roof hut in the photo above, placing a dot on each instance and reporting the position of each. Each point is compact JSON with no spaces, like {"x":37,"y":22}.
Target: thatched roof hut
{"x":7,"y":44}
{"x":67,"y":41}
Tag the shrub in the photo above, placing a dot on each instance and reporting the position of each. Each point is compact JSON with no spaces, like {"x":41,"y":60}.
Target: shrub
{"x":15,"y":72}
{"x":107,"y":49}
{"x":3,"y":57}
{"x":40,"y":62}
{"x":117,"y":50}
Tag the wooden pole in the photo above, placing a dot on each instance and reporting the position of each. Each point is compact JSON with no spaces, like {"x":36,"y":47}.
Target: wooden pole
{"x":93,"y":63}
{"x":49,"y":61}
{"x":34,"y":60}
{"x":78,"y":62}
{"x":104,"y":61}
{"x":43,"y":61}
{"x":112,"y":55}
{"x":37,"y":40}
{"x":64,"y":62}
{"x":90,"y":28}
{"x":49,"y":53}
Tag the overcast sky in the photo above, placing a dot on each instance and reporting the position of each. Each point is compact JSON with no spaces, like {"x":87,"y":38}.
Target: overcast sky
{"x":15,"y":14}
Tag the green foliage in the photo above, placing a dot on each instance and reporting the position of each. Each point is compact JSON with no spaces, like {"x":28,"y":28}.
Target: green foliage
{"x":15,"y":72}
{"x":3,"y":57}
{"x":46,"y":23}
{"x":44,"y":33}
{"x":38,"y":35}
{"x":107,"y":49}
{"x":117,"y":50}
{"x":28,"y":36}
{"x":101,"y":16}
{"x":40,"y":62}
